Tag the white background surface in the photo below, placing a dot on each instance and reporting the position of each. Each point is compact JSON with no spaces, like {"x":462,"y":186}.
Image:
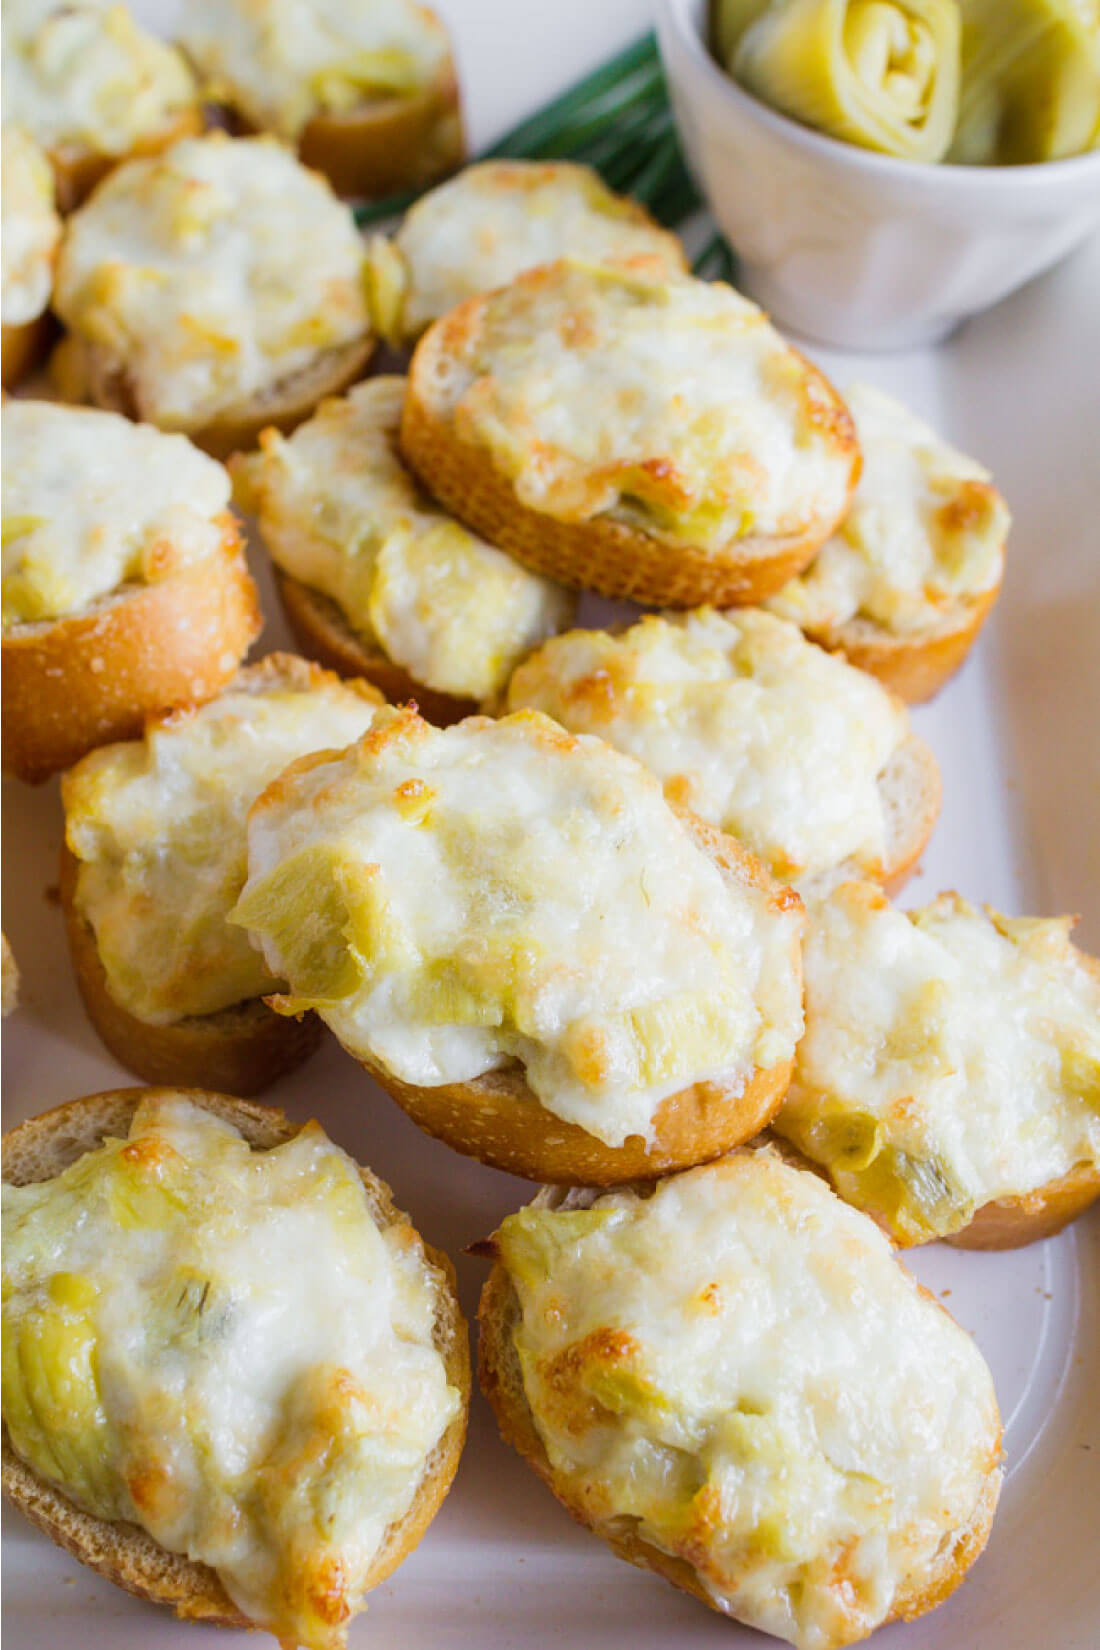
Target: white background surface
{"x":1018,"y":739}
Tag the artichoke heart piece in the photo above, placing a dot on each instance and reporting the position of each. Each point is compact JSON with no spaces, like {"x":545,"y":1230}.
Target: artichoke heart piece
{"x":531,"y":1240}
{"x":1030,"y":81}
{"x":883,"y":74}
{"x":916,"y":1196}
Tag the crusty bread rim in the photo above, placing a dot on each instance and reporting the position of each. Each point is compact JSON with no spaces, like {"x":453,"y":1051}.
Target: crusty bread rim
{"x":122,"y":1552}
{"x":602,"y":553}
{"x":498,"y":1118}
{"x":92,"y":677}
{"x":389,"y":143}
{"x":501,"y":1379}
{"x":237,"y":1050}
{"x":24,"y":344}
{"x":84,"y":371}
{"x":77,"y":169}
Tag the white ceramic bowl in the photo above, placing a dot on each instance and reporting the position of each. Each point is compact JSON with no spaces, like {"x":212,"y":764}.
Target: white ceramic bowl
{"x":853,"y":248}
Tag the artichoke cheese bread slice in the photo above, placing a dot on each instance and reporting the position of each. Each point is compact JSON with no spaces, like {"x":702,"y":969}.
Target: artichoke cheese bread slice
{"x":1030,"y":81}
{"x":883,"y":74}
{"x":234,"y":1378}
{"x":366,"y":91}
{"x":523,"y":942}
{"x":729,"y":1377}
{"x":495,"y":220}
{"x":630,"y":432}
{"x":909,"y":577}
{"x":29,"y":235}
{"x":379,"y":581}
{"x":92,"y":87}
{"x":215,"y":289}
{"x":125,"y":590}
{"x":155,"y":858}
{"x":809,"y":763}
{"x":948,"y":1081}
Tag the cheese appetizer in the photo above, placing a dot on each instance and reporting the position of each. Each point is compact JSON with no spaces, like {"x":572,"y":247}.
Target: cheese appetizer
{"x":949,"y":1078}
{"x":730,"y":1379}
{"x":215,"y":289}
{"x":367,"y":92}
{"x":125,"y":590}
{"x":92,"y":88}
{"x":154,"y":860}
{"x":376,"y":579}
{"x":29,"y":235}
{"x":632,"y":433}
{"x":811,"y":764}
{"x":235,"y":1378}
{"x":909,"y":578}
{"x":491,"y":223}
{"x":514,"y":932}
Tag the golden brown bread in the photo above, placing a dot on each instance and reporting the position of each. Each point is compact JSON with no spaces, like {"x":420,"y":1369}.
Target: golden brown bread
{"x":915,"y":666}
{"x":497,"y":1117}
{"x":323,"y":633}
{"x":1010,"y":1222}
{"x":124,"y":1553}
{"x":390,"y":143}
{"x":599,"y":554}
{"x":501,"y":1379}
{"x":24,"y":345}
{"x":9,"y":978}
{"x":93,"y":677}
{"x":87,"y":372}
{"x":77,"y":170}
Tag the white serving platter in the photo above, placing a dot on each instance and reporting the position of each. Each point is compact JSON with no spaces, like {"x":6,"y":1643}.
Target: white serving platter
{"x":1018,"y":739}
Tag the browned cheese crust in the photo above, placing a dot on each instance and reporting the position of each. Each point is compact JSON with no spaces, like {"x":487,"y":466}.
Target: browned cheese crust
{"x":74,"y":683}
{"x":497,"y":1117}
{"x":122,"y":1552}
{"x":600,"y":554}
{"x":77,"y":170}
{"x":501,"y":1380}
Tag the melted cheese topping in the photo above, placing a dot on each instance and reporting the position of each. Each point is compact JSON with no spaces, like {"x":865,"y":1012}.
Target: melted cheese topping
{"x":669,"y":404}
{"x":737,"y":1367}
{"x":951,"y":1057}
{"x":227,"y":1348}
{"x":745,"y":722}
{"x":926,"y":530}
{"x":212,"y":273}
{"x":92,"y":502}
{"x":494,"y":221}
{"x":30,"y":229}
{"x":158,"y":826}
{"x":452,"y":899}
{"x":341,"y":513}
{"x":85,"y":76}
{"x":280,"y":62}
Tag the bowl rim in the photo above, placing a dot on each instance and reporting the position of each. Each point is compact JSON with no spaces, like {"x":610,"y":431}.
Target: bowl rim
{"x":677,"y":16}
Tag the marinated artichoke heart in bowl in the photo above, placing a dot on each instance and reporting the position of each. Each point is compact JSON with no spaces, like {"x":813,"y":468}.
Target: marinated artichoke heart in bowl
{"x":951,"y":1059}
{"x":745,"y":722}
{"x":492,"y":222}
{"x":92,"y":502}
{"x":729,"y":1376}
{"x":340,"y":513}
{"x":157,"y":827}
{"x":455,"y":901}
{"x":232,"y":1349}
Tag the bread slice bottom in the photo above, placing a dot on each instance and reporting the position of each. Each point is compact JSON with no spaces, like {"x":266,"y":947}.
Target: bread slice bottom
{"x":498,"y":1118}
{"x":1010,"y":1222}
{"x":501,"y":1380}
{"x":240,"y":1050}
{"x":324,"y":634}
{"x":390,"y":143}
{"x":24,"y":345}
{"x":915,"y":666}
{"x":73,"y":683}
{"x":122,"y":1552}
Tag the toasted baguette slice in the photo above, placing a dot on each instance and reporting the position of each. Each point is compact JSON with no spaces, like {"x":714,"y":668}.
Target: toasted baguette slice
{"x":911,"y":790}
{"x":497,"y":1117}
{"x":87,"y":372}
{"x":914,"y":666}
{"x":74,"y":683}
{"x":1010,"y":1222}
{"x":24,"y":346}
{"x":123,"y":1553}
{"x":612,"y":557}
{"x":390,"y":143}
{"x":500,"y":1376}
{"x":242,"y":1049}
{"x":323,"y":633}
{"x":77,"y":170}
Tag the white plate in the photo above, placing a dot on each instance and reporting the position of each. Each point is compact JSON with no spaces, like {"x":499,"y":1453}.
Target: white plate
{"x":1017,"y":738}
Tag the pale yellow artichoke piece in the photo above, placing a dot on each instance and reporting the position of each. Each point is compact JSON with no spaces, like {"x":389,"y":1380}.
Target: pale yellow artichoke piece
{"x":1030,"y":81}
{"x":883,"y":74}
